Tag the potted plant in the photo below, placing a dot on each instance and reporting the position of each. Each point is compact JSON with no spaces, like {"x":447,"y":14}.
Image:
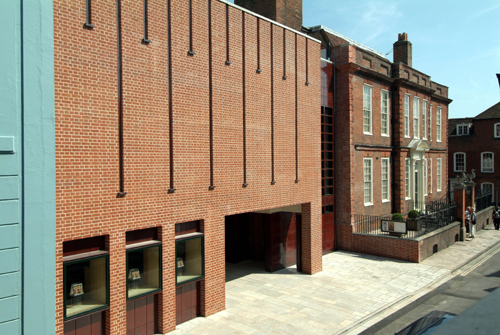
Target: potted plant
{"x":397,"y":217}
{"x":413,"y":221}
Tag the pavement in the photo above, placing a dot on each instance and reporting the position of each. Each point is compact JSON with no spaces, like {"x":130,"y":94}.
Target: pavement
{"x":353,"y":292}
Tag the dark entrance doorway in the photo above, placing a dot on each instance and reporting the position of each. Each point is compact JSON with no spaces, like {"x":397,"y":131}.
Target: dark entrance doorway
{"x":273,"y":238}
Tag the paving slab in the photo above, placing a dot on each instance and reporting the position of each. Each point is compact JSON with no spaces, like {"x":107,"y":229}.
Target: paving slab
{"x":352,"y":292}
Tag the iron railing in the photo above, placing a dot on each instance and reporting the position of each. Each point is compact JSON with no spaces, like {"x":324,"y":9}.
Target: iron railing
{"x":437,"y":214}
{"x":484,"y":199}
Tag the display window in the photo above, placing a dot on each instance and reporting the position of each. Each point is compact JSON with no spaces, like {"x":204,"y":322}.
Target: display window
{"x":143,"y":270}
{"x":86,"y":285}
{"x":189,"y":257}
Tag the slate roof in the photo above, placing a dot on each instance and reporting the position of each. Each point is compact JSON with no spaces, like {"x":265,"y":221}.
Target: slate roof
{"x":491,"y":113}
{"x":452,"y":124}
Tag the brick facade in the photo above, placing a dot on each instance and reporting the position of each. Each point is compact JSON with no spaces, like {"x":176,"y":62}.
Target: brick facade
{"x":88,"y":147}
{"x":480,"y":139}
{"x":353,"y":67}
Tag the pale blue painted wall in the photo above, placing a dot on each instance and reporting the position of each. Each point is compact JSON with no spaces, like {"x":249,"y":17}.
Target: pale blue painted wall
{"x":27,"y":168}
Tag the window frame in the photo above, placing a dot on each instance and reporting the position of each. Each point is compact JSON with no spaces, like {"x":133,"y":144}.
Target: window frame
{"x":455,"y":154}
{"x":426,"y":176}
{"x":439,"y":120}
{"x":416,"y":117}
{"x":430,"y":122}
{"x":439,"y":171}
{"x":495,"y":126}
{"x":406,"y":121}
{"x":368,"y":159}
{"x":492,"y":162}
{"x":382,"y":113}
{"x":65,"y":293}
{"x":463,"y":126}
{"x":488,"y":183}
{"x":430,"y":172}
{"x":424,"y":119}
{"x":387,"y":180}
{"x":189,"y":237}
{"x":132,"y":249}
{"x":407,"y":179}
{"x":370,"y":110}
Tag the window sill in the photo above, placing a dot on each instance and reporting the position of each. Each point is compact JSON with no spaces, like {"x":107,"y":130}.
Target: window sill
{"x":406,"y":199}
{"x":385,"y":135}
{"x":365,"y":133}
{"x":385,"y":201}
{"x":487,"y":171}
{"x":368,"y":204}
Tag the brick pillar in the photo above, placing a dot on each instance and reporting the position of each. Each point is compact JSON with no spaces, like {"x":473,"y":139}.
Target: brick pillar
{"x":312,"y":256}
{"x":166,"y":298}
{"x":459,"y":198}
{"x":213,"y":287}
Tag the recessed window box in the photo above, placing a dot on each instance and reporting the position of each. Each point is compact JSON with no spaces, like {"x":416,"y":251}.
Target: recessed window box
{"x":189,"y":257}
{"x":143,"y":269}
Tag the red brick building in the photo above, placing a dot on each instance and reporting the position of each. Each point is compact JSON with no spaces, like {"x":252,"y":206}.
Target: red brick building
{"x":389,"y":131}
{"x":474,"y":144}
{"x":173,"y":119}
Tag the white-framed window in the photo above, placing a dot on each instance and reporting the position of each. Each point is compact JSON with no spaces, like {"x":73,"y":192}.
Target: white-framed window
{"x":459,"y":162}
{"x":384,"y":119}
{"x":367,"y":109}
{"x":463,"y":129}
{"x":407,"y":115}
{"x":487,"y":187}
{"x":424,"y":119}
{"x":385,"y":179}
{"x":438,"y":123}
{"x":430,"y":173}
{"x":426,"y":182}
{"x":368,"y":180}
{"x":487,"y":164}
{"x":497,"y":130}
{"x":416,"y":122}
{"x":407,"y":178}
{"x":430,"y":122}
{"x":438,"y":174}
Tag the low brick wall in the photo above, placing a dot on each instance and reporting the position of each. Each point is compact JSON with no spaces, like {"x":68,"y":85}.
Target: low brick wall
{"x":484,"y":217}
{"x":386,"y":246}
{"x":443,"y":238}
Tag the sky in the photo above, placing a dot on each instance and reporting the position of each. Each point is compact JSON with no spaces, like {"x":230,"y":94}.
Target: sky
{"x":456,"y":42}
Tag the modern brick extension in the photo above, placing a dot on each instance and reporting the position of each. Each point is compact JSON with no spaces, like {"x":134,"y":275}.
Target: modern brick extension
{"x":176,"y":139}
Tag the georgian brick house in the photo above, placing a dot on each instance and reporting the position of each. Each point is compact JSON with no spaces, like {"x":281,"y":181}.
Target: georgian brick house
{"x":474,"y":144}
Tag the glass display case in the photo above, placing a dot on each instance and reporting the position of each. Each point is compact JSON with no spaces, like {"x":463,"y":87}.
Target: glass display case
{"x":86,"y":286}
{"x":143,"y":271}
{"x":189,"y":258}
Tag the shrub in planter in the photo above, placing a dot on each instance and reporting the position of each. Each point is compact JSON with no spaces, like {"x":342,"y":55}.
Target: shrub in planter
{"x":413,"y":214}
{"x":397,"y":217}
{"x":413,"y":222}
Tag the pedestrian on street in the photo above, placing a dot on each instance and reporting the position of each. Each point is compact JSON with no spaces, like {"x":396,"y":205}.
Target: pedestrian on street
{"x":472,"y":222}
{"x":467,"y":220}
{"x":496,"y":218}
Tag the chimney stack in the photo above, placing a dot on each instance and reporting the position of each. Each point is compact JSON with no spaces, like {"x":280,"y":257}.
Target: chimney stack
{"x":288,"y":13}
{"x":402,"y":50}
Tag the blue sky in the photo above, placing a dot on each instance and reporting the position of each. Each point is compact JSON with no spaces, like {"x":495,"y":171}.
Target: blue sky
{"x":456,"y":42}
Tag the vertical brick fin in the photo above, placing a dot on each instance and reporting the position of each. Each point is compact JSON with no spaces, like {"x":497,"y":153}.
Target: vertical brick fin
{"x":228,"y":62}
{"x":210,"y":94}
{"x":272,"y":106}
{"x":145,"y":10}
{"x":245,"y":184}
{"x":296,"y":116}
{"x":170,"y":102}
{"x":284,"y":54}
{"x":191,"y":52}
{"x":122,"y":192}
{"x":258,"y":46}
{"x":88,"y":15}
{"x":307,"y":62}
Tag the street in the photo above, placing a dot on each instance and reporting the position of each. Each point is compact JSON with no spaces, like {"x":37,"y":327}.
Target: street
{"x":474,"y":281}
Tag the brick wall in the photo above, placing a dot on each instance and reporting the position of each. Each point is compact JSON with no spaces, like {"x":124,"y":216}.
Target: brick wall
{"x":87,"y":146}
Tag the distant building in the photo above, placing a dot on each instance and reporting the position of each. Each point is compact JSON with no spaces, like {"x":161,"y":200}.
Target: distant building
{"x":474,"y":144}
